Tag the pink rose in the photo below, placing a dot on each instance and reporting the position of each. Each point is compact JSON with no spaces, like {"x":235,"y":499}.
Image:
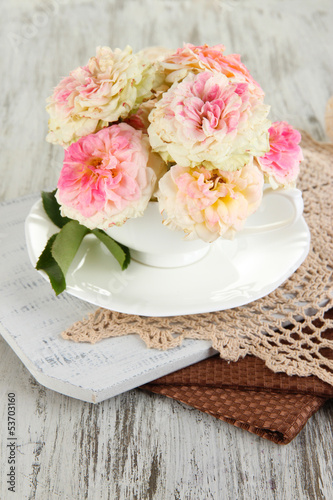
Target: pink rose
{"x":211,"y":120}
{"x":196,"y":59}
{"x":109,"y":87}
{"x":105,"y":178}
{"x":281,"y":163}
{"x":207,"y":204}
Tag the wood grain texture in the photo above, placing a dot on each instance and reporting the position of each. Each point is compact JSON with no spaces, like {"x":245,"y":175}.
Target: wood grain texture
{"x":138,"y":445}
{"x":81,"y":370}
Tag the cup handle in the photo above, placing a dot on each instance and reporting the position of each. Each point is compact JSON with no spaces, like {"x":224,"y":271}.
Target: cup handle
{"x":294,"y":196}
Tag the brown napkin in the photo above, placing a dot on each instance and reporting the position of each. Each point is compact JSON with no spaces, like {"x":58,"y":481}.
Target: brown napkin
{"x":247,"y":394}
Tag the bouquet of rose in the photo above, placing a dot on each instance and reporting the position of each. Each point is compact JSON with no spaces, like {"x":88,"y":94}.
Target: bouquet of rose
{"x":187,"y":128}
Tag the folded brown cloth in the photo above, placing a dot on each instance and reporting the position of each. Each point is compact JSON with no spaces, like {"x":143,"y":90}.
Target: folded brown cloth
{"x":247,"y":394}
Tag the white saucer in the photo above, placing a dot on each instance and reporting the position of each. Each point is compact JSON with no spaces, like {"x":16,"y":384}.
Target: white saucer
{"x":232,"y":274}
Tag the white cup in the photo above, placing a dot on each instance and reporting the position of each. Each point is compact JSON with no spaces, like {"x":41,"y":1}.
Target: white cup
{"x":152,"y":243}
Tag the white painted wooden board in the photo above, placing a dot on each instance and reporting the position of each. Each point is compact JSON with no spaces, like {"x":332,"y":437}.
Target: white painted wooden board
{"x":138,"y":445}
{"x":32,"y":319}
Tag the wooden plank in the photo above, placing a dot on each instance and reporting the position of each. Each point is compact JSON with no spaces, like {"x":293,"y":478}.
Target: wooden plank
{"x":138,"y":445}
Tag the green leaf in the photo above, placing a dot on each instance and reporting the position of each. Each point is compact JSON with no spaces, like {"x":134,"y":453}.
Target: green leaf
{"x":67,"y":243}
{"x":120,"y":252}
{"x":47,"y":263}
{"x":61,"y":248}
{"x":127,"y":260}
{"x":52,"y":208}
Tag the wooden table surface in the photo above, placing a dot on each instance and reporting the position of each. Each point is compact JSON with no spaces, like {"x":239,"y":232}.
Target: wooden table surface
{"x":137,"y":445}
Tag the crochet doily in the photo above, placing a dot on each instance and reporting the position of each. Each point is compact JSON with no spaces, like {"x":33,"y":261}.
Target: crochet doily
{"x":287,"y":328}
